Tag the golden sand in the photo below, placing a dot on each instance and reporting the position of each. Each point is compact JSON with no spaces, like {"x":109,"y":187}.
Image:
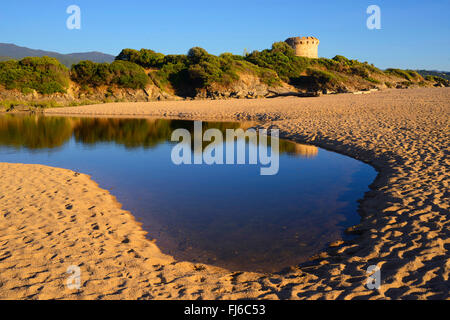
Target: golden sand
{"x":52,"y":218}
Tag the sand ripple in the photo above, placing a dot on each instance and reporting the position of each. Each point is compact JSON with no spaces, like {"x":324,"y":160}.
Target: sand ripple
{"x":52,"y":218}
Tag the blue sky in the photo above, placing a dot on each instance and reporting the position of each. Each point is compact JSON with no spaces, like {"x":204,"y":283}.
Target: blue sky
{"x":415,"y":34}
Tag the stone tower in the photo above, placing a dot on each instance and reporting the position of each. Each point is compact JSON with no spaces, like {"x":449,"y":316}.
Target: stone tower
{"x":305,"y":46}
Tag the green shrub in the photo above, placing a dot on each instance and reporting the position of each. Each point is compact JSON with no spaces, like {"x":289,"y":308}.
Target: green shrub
{"x":121,"y":73}
{"x":282,"y":59}
{"x":205,"y":69}
{"x":342,"y":60}
{"x":323,"y":77}
{"x":91,"y":74}
{"x":145,"y":58}
{"x":199,"y":69}
{"x":359,"y":71}
{"x":373,"y":80}
{"x":128,"y":75}
{"x":290,"y":68}
{"x":174,"y":71}
{"x":438,"y":80}
{"x":238,"y":64}
{"x":351,"y":67}
{"x":45,"y":75}
{"x":197,"y":55}
{"x":409,"y":75}
{"x":329,"y":64}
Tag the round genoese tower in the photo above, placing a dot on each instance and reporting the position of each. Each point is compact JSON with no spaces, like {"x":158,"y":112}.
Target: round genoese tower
{"x":305,"y":46}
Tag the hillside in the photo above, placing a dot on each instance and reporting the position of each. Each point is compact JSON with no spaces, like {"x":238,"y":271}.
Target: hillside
{"x":147,"y":75}
{"x":16,"y":52}
{"x":434,"y":73}
{"x":274,"y":71}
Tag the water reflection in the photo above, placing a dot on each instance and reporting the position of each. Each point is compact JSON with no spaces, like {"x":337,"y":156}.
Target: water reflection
{"x":228,"y":216}
{"x":34,"y":132}
{"x":39,"y":132}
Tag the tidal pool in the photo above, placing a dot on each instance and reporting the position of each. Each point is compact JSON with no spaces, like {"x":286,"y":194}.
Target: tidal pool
{"x":224,"y":215}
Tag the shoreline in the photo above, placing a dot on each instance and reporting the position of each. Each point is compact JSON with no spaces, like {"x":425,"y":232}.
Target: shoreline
{"x":388,"y":211}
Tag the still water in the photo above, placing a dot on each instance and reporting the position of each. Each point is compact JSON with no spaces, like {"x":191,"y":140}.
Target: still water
{"x":224,"y":215}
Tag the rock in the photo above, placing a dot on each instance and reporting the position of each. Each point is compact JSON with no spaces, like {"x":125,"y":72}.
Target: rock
{"x":401,"y":86}
{"x":313,"y":94}
{"x":342,"y":90}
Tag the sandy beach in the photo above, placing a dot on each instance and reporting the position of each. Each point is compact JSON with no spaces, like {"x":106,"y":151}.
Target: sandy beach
{"x":53,"y":218}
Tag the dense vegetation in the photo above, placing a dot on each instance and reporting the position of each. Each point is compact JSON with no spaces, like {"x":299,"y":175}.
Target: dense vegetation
{"x":438,"y":74}
{"x":310,"y":72}
{"x":121,"y":73}
{"x":438,"y":80}
{"x":186,"y":75}
{"x":197,"y":69}
{"x":45,"y":75}
{"x":409,"y":75}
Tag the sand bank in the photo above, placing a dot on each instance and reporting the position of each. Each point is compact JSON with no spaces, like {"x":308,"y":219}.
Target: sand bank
{"x":52,"y":218}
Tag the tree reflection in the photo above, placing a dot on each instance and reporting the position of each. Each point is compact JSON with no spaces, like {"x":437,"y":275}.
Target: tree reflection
{"x":40,"y":132}
{"x":34,"y":132}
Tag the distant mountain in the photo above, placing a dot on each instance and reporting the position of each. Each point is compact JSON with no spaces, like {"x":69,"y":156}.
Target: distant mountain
{"x":8,"y":50}
{"x":442,"y":74}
